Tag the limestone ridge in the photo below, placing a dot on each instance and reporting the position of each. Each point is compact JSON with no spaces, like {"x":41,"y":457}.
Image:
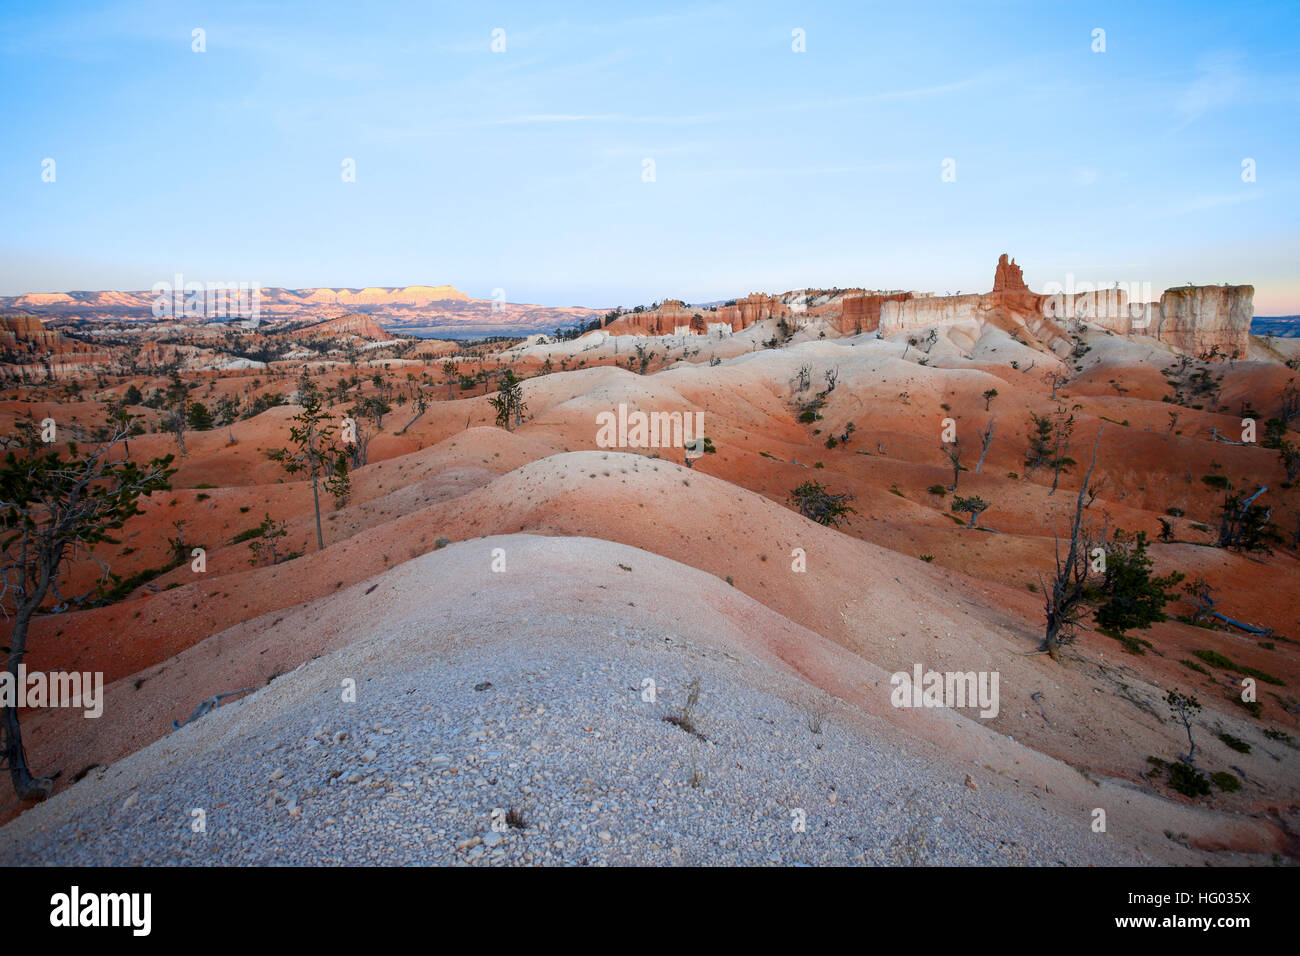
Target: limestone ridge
{"x":353,"y":323}
{"x":1198,"y":320}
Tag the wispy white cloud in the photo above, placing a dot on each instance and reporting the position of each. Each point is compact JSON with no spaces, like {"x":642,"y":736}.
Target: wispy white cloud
{"x":1248,"y":193}
{"x":767,"y":109}
{"x":743,"y":172}
{"x":1217,"y":85}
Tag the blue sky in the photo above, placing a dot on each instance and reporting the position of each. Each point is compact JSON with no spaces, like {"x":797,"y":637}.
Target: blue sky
{"x":523,"y":170}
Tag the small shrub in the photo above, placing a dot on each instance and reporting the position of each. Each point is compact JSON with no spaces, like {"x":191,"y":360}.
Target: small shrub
{"x":1131,"y":644}
{"x":1226,"y":781}
{"x":1254,"y":706}
{"x":1236,"y":743}
{"x":685,"y":718}
{"x":1215,"y":659}
{"x":1188,"y":781}
{"x":821,"y":505}
{"x":1258,"y":674}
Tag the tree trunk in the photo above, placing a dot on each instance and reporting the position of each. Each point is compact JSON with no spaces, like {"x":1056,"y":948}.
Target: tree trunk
{"x":315,"y":500}
{"x":411,"y":422}
{"x":1052,"y":640}
{"x":25,"y":785}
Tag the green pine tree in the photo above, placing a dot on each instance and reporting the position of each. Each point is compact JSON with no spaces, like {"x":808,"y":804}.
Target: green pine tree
{"x":1131,"y":596}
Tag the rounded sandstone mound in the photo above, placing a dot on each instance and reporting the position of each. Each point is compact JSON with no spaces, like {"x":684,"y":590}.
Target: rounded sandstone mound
{"x":528,"y":733}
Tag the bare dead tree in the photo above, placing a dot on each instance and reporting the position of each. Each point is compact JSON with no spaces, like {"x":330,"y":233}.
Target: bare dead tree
{"x":1065,"y":598}
{"x":1244,"y":524}
{"x":1289,"y":406}
{"x":174,"y":422}
{"x":952,"y":451}
{"x":986,"y":439}
{"x":1201,"y":595}
{"x":1289,"y":456}
{"x":1062,"y":432}
{"x":421,"y":406}
{"x":1095,"y":489}
{"x":358,"y":449}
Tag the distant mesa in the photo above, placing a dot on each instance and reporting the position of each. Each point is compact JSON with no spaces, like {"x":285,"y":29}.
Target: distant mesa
{"x":141,"y":302}
{"x":37,"y":299}
{"x":374,"y":295}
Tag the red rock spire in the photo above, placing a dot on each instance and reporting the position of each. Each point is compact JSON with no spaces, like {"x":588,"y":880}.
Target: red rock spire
{"x":1008,"y":277}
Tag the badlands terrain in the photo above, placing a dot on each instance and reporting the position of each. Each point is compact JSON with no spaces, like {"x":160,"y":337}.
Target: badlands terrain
{"x":502,"y":598}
